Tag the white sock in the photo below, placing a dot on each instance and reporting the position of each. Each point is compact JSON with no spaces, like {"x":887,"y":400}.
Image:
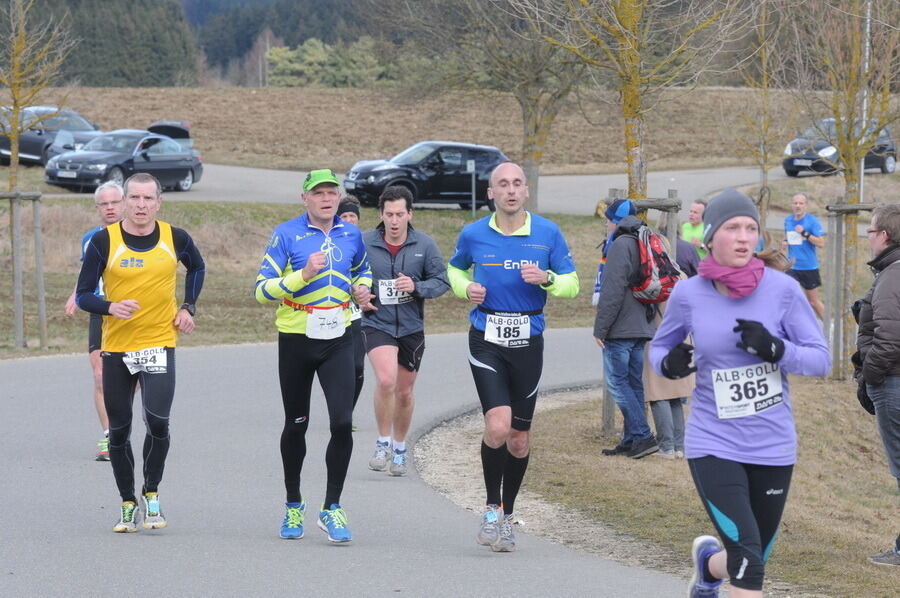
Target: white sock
{"x":384,"y":440}
{"x":400,"y":446}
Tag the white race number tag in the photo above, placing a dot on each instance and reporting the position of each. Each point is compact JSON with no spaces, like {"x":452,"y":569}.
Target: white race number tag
{"x":747,"y":390}
{"x":794,"y":238}
{"x":389,"y":295}
{"x":152,"y":361}
{"x":507,"y":331}
{"x":355,"y":311}
{"x":324,"y":324}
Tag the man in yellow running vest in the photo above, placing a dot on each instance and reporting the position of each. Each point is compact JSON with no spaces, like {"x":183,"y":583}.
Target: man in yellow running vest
{"x":138,"y":259}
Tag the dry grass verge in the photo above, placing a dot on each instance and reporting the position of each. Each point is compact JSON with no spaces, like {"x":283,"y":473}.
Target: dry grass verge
{"x":232,"y":237}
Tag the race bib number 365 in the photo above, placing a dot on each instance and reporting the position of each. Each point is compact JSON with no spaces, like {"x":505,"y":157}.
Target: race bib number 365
{"x":507,"y":331}
{"x":152,"y":361}
{"x":747,"y":390}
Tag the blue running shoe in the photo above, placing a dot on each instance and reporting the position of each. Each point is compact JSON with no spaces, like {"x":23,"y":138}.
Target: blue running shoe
{"x":704,"y":547}
{"x":292,"y":526}
{"x":333,"y":521}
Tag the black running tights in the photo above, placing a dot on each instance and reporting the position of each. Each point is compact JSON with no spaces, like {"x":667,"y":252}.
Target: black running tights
{"x":157,"y":392}
{"x":299,"y":359}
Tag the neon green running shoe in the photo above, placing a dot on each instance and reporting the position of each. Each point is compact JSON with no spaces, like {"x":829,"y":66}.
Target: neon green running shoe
{"x":128,"y":522}
{"x":102,"y":449}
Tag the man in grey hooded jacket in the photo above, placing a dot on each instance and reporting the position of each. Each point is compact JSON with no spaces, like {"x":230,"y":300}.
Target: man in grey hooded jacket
{"x":407,"y":268}
{"x":622,"y":326}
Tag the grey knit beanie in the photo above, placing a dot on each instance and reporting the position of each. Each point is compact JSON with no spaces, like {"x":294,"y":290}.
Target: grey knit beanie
{"x":725,"y":206}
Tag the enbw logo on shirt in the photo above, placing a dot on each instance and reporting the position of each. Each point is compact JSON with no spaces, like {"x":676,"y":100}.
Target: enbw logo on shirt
{"x":131,"y":263}
{"x":517,"y":265}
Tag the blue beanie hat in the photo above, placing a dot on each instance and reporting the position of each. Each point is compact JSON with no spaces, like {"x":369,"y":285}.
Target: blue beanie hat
{"x":619,"y":209}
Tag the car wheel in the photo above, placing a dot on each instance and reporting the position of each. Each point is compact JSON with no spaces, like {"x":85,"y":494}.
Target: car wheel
{"x":115,"y":175}
{"x":889,"y":164}
{"x":791,"y":172}
{"x":186,"y":183}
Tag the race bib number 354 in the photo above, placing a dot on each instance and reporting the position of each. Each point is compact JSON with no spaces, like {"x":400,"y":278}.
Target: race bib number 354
{"x":747,"y":390}
{"x":152,"y":361}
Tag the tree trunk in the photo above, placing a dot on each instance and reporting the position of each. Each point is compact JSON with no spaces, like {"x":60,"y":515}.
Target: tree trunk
{"x":538,"y":115}
{"x":850,"y":292}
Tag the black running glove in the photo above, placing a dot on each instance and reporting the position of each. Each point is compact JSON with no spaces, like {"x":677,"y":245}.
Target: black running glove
{"x":756,"y":340}
{"x":677,"y":364}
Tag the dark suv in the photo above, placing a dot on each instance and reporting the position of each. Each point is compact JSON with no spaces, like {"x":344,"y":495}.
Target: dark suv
{"x":39,"y":143}
{"x":813,"y":151}
{"x":435,"y":172}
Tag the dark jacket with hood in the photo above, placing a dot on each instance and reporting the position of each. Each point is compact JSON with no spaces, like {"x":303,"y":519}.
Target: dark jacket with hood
{"x":619,"y":315}
{"x":420,"y":259}
{"x":878,"y":339}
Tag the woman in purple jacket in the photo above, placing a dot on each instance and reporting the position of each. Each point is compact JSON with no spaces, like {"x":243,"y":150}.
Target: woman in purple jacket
{"x":751,"y":327}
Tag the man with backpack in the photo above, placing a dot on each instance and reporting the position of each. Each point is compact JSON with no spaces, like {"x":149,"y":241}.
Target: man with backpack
{"x":624,"y":324}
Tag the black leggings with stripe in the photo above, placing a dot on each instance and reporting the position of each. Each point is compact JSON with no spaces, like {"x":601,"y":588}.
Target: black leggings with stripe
{"x":300,"y":358}
{"x":745,"y":503}
{"x":157,"y":393}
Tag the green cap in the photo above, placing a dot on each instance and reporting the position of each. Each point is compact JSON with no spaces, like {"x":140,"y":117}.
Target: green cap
{"x":317,"y":177}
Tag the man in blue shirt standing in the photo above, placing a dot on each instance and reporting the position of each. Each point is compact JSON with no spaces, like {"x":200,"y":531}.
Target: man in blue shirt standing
{"x":505,"y":265}
{"x":803,"y":234}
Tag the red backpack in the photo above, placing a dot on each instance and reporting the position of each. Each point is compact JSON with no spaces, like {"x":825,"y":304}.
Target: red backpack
{"x":656,"y":274}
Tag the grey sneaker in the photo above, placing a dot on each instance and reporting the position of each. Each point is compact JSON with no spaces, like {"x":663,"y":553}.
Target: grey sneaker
{"x":153,"y":517}
{"x":507,"y":540}
{"x":489,"y":532}
{"x":398,"y":463}
{"x":891,"y":557}
{"x":379,"y":460}
{"x":128,"y":521}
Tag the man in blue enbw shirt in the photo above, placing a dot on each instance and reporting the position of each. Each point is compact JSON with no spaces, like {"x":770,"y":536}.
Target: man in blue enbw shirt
{"x":515,"y":259}
{"x":803,"y":234}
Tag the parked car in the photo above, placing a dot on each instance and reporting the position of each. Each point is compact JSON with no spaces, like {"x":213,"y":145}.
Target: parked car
{"x":813,"y":151}
{"x":434,"y":171}
{"x":116,"y":155}
{"x":38,"y":143}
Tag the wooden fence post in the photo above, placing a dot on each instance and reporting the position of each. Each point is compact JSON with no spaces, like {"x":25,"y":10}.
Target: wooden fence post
{"x":39,"y":271}
{"x":15,"y":202}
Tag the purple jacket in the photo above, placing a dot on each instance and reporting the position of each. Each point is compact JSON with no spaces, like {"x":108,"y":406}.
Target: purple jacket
{"x":766,"y":437}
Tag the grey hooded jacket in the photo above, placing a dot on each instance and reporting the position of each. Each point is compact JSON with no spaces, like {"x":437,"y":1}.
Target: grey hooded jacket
{"x":420,"y":259}
{"x":619,"y":315}
{"x":878,"y":339}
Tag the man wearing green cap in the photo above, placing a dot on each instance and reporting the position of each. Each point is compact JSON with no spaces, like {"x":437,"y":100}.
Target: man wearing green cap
{"x":314,"y":266}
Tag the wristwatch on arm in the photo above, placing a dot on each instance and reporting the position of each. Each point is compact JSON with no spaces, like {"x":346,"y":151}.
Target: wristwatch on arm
{"x":551,"y":278}
{"x":189,"y":307}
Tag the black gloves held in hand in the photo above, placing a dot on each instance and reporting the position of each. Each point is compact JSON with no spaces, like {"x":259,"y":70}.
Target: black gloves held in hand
{"x":677,"y":364}
{"x":756,"y":340}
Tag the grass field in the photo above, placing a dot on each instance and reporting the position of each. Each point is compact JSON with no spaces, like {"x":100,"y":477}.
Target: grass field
{"x":232,"y":237}
{"x":843,"y":503}
{"x":299,"y":128}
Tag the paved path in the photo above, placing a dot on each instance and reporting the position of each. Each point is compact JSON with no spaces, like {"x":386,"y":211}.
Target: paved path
{"x":223,"y":490}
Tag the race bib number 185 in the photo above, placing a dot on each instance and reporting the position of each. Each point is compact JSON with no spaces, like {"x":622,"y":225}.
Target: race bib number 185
{"x":747,"y":390}
{"x":507,"y":331}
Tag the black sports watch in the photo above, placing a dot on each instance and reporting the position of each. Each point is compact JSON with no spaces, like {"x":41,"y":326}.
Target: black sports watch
{"x":551,"y":278}
{"x":189,"y":307}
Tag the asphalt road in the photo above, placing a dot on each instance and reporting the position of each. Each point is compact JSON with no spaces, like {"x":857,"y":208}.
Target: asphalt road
{"x":223,"y":493}
{"x":568,"y":194}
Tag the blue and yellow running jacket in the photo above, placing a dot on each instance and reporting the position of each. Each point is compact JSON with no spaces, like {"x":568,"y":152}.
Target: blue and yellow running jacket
{"x":280,"y":277}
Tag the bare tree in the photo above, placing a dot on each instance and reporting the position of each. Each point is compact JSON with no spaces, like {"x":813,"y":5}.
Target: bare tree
{"x":847,"y":63}
{"x":647,"y":45}
{"x":31,"y":56}
{"x":762,"y":74}
{"x":495,"y":49}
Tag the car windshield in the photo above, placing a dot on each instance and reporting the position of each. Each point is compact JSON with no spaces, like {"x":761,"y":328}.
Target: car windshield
{"x":822,"y":130}
{"x":70,"y":122}
{"x":414,"y":154}
{"x":113,"y":143}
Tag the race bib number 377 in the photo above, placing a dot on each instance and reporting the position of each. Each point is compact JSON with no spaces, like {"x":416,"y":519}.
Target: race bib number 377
{"x":747,"y":390}
{"x":152,"y":361}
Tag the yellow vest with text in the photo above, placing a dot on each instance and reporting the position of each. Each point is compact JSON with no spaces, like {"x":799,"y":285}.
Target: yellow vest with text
{"x":149,"y":278}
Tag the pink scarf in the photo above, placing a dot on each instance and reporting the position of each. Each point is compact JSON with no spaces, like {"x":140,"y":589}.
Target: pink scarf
{"x":739,"y":282}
